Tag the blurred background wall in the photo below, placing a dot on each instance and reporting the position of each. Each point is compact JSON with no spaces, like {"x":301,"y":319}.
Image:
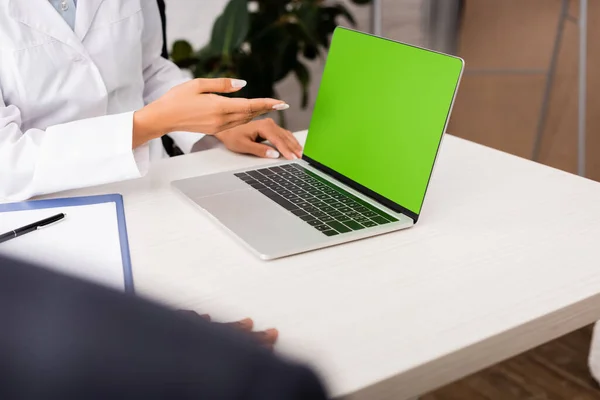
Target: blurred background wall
{"x":499,"y":109}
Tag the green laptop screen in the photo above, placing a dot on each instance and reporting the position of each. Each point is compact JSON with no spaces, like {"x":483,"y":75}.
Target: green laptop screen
{"x":380,"y":114}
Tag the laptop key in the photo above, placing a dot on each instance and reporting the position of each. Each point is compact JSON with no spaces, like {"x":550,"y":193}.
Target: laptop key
{"x":361,"y":209}
{"x":299,"y":212}
{"x":362,"y":219}
{"x":322,"y":228}
{"x":322,"y":196}
{"x":255,"y":174}
{"x":243,"y":176}
{"x":353,"y":214}
{"x":380,"y":220}
{"x":280,"y":190}
{"x":304,"y":204}
{"x":314,"y":222}
{"x":369,"y":224}
{"x":258,"y":186}
{"x":266,"y":171}
{"x":310,"y":209}
{"x":296,"y":200}
{"x":355,"y":226}
{"x":331,"y":232}
{"x":304,"y":195}
{"x":314,"y":192}
{"x":338,"y":226}
{"x":290,"y":197}
{"x":327,"y":219}
{"x":370,"y":214}
{"x":344,"y":209}
{"x":308,"y":217}
{"x":336,"y":214}
{"x":278,"y":199}
{"x":327,"y":209}
{"x":329,"y":200}
{"x":319,"y":214}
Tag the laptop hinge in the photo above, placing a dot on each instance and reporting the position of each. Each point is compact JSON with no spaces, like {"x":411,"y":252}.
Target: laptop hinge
{"x":361,"y":189}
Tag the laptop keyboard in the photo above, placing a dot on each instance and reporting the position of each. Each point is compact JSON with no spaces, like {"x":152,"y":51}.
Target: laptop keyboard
{"x":321,"y":204}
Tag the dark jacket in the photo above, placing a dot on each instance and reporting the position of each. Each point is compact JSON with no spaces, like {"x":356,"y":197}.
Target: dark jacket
{"x":61,"y":338}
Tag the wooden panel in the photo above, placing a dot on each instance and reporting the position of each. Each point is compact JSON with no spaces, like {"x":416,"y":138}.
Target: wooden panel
{"x":502,"y":110}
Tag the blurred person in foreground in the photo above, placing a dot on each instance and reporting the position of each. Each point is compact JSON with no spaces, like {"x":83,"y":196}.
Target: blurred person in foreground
{"x":62,"y":338}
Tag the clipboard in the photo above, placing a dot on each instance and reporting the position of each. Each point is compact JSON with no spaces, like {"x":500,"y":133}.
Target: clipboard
{"x":116,"y":199}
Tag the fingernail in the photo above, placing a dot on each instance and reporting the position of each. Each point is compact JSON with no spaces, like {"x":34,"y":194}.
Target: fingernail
{"x":272,"y":153}
{"x":238,"y":83}
{"x":272,"y":332}
{"x":246,"y":323}
{"x":294,"y":157}
{"x":281,"y":106}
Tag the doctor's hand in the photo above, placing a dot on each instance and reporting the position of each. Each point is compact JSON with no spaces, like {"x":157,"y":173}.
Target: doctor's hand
{"x":244,"y":139}
{"x":194,"y":107}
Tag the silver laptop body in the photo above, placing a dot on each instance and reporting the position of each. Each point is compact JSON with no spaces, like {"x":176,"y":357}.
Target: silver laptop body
{"x":295,"y":206}
{"x":267,"y":228}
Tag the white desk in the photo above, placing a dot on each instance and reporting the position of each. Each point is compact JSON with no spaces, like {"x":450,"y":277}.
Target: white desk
{"x":505,"y":257}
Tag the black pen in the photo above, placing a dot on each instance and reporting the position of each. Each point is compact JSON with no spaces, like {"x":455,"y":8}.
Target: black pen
{"x":31,"y":227}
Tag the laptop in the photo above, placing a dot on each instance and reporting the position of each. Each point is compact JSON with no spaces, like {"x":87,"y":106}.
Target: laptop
{"x":376,"y":128}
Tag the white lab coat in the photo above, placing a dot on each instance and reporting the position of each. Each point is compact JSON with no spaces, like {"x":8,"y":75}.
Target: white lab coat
{"x":67,"y":96}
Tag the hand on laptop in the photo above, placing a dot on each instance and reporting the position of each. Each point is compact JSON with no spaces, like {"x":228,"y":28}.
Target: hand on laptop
{"x":266,"y":338}
{"x":244,"y":139}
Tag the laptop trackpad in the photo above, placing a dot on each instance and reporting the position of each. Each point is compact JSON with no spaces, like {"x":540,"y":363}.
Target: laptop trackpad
{"x":260,"y":222}
{"x":210,"y":185}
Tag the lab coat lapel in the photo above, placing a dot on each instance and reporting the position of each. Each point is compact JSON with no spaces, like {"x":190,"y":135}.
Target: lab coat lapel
{"x":86,"y":12}
{"x":41,"y":16}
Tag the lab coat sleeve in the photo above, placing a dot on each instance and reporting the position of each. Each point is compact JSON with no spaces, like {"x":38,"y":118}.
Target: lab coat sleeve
{"x":67,"y":156}
{"x":160,"y":75}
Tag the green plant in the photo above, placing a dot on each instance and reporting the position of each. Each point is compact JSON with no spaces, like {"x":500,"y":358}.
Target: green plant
{"x":262,"y":41}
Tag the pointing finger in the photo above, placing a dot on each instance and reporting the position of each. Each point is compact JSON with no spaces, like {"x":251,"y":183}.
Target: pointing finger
{"x":218,"y":85}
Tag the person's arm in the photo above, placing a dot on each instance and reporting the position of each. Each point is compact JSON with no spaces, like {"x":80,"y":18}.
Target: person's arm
{"x":66,"y":156}
{"x":161,"y":74}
